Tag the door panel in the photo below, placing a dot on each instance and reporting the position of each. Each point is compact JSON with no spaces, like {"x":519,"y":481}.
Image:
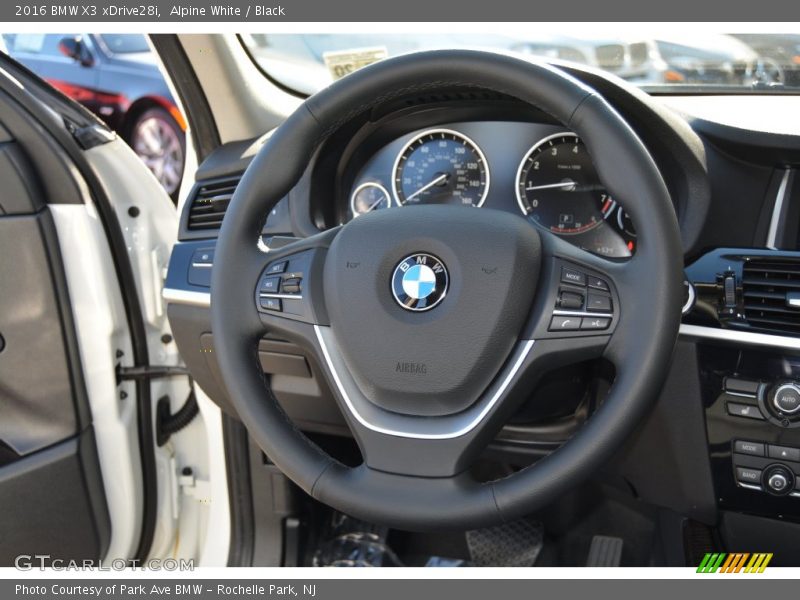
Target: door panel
{"x":51,"y":489}
{"x":53,"y":504}
{"x":36,"y":394}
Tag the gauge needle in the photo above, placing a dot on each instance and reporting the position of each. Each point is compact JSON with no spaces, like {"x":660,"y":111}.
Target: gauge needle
{"x":427,"y":186}
{"x":374,"y":205}
{"x":562,"y":184}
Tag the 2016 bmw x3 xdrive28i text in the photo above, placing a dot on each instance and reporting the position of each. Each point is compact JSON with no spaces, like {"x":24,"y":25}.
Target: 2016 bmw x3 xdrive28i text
{"x":459,"y":306}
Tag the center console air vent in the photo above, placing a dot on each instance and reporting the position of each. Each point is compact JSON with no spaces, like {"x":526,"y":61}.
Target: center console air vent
{"x":771,"y":289}
{"x":209,"y":203}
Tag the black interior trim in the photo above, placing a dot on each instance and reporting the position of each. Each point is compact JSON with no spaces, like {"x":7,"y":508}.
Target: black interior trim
{"x":240,"y":494}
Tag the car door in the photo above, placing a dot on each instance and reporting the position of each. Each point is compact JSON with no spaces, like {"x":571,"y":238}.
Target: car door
{"x":77,"y":466}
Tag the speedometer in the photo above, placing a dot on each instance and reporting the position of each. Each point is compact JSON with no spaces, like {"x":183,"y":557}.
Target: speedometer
{"x":558,"y":187}
{"x":440,"y":166}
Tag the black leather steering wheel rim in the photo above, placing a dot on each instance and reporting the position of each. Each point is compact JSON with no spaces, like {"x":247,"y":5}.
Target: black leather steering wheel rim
{"x":640,"y":346}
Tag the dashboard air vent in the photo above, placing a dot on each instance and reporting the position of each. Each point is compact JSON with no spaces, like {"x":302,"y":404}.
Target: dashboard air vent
{"x":209,"y":204}
{"x":771,"y":290}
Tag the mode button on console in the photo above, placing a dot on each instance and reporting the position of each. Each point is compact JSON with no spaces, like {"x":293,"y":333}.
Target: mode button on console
{"x":751,"y":448}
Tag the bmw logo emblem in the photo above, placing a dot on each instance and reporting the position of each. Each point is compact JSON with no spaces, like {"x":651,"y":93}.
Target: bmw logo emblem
{"x":419,"y":282}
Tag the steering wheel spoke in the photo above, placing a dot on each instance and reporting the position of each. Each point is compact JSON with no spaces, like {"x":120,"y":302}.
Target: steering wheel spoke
{"x":426,"y":446}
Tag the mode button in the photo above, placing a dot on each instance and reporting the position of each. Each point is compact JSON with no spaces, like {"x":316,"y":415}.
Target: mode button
{"x":751,"y":448}
{"x":572,"y":276}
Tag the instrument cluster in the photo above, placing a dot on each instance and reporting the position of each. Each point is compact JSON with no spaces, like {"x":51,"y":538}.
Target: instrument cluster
{"x":542,"y":172}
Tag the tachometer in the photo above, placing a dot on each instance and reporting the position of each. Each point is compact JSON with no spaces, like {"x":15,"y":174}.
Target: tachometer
{"x":440,"y":166}
{"x":558,"y":187}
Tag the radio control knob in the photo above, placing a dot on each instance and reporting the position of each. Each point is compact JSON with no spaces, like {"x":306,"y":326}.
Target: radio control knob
{"x":778,"y":480}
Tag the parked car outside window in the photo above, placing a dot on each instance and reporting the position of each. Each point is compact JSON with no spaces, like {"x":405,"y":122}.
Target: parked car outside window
{"x":116,"y":76}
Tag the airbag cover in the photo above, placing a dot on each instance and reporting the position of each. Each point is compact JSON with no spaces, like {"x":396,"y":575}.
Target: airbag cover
{"x":439,"y":361}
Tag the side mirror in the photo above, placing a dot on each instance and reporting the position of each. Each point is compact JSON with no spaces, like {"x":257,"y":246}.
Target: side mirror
{"x":74,"y":48}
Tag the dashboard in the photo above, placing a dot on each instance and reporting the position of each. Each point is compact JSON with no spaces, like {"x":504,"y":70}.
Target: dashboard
{"x":538,"y":171}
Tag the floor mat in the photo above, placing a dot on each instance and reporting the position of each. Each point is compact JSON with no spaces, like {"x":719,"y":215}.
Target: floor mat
{"x":514,"y":544}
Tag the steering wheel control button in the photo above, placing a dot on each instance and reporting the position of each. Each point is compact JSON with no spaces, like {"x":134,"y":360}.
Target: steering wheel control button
{"x":289,"y":279}
{"x":745,"y":475}
{"x":565,"y":323}
{"x":595,"y":323}
{"x":784,"y":453}
{"x":751,"y":448}
{"x":748,"y":411}
{"x":778,"y":480}
{"x":570,"y":300}
{"x":292,"y":285}
{"x":277,"y":267}
{"x":273,"y":304}
{"x":572,"y":276}
{"x":597,"y":283}
{"x":270,"y":285}
{"x":786,"y":399}
{"x":598,"y":303}
{"x":419,"y":282}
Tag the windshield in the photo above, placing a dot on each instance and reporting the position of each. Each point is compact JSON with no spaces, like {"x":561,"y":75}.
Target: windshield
{"x":125,"y":43}
{"x":306,"y":63}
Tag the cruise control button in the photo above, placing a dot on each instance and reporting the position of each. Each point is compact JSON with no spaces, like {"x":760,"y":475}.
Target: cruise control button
{"x":748,"y":475}
{"x":278,"y":267}
{"x":595,"y":323}
{"x":572,"y":276}
{"x":598,"y":303}
{"x":747,"y":411}
{"x":751,"y":448}
{"x":597,"y":283}
{"x":559,"y":323}
{"x":784,"y":453}
{"x":271,"y":304}
{"x":270,"y":285}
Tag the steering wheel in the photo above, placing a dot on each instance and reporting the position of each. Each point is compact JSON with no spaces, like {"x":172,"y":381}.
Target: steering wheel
{"x":432,"y":324}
